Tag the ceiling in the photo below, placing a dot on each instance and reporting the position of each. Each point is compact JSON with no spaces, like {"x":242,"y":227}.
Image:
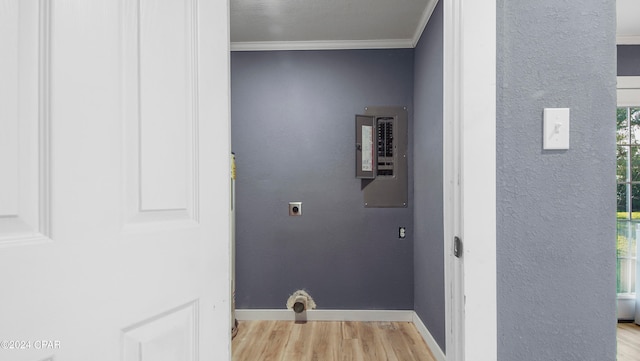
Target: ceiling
{"x":327,"y":24}
{"x":356,"y":24}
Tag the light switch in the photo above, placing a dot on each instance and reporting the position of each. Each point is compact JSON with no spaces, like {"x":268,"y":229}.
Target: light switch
{"x":556,"y":128}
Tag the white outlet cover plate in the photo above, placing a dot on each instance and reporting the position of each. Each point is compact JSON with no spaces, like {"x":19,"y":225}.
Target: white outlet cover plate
{"x":556,"y":128}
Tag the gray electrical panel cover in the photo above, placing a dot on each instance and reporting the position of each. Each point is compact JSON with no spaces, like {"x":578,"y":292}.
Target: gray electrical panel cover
{"x":381,"y":156}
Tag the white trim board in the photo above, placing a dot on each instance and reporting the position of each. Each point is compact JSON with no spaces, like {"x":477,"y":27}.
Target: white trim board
{"x":322,"y":45}
{"x":478,"y":162}
{"x":428,"y":338}
{"x":454,"y":315}
{"x":626,"y":309}
{"x":628,"y":91}
{"x":470,"y":184}
{"x":628,"y":39}
{"x":424,"y":20}
{"x":628,"y":82}
{"x":341,"y":44}
{"x":347,"y":315}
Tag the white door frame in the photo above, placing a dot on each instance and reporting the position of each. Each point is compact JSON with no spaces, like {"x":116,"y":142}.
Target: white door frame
{"x":469,"y":147}
{"x":628,"y":95}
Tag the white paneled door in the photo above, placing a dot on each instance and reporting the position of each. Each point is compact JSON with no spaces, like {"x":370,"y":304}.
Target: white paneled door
{"x":114,"y":180}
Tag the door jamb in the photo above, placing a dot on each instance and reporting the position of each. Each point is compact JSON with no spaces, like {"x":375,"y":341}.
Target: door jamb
{"x":470,"y":153}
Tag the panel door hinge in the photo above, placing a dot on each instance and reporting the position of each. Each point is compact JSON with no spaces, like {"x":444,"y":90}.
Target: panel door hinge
{"x":457,"y":247}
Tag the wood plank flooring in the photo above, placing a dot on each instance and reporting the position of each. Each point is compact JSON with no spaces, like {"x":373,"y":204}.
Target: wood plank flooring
{"x":329,"y":341}
{"x":628,"y":342}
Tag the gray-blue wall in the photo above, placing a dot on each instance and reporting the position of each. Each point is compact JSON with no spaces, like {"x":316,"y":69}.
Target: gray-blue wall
{"x":293,"y":132}
{"x":428,"y":258}
{"x":628,"y":60}
{"x":556,"y":209}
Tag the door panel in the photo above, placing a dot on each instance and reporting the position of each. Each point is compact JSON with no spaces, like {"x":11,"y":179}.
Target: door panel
{"x":120,"y":188}
{"x":9,"y":70}
{"x":166,"y":55}
{"x":170,"y":336}
{"x":161,"y":113}
{"x":25,"y":121}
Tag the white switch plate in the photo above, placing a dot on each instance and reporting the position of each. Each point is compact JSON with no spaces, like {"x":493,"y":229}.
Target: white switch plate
{"x":556,"y":128}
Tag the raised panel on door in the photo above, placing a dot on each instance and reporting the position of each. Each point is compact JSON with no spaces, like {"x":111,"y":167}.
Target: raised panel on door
{"x":24,"y":122}
{"x":161,"y":113}
{"x":9,"y":69}
{"x":169,"y":336}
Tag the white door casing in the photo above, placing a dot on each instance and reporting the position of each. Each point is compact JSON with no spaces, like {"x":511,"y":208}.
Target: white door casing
{"x":628,"y":95}
{"x":478,"y":177}
{"x":114,"y":195}
{"x":454,"y":276}
{"x":470,"y":181}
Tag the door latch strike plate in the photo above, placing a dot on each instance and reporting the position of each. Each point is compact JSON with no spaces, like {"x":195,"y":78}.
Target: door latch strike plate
{"x":457,"y":247}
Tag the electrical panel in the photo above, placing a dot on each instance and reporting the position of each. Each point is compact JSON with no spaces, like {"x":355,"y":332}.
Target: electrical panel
{"x":381,"y":156}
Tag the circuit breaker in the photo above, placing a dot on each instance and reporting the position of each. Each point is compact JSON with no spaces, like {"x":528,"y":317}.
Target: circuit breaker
{"x":381,"y":156}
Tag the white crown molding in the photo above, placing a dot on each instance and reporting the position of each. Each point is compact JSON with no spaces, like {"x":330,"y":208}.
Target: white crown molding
{"x":322,"y":45}
{"x":628,"y":39}
{"x":341,"y":44}
{"x":424,"y":20}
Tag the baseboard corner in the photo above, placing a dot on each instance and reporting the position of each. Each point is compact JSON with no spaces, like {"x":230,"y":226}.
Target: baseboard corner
{"x":428,"y":338}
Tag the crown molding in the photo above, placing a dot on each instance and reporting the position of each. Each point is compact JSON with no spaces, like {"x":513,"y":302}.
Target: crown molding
{"x":424,"y":20}
{"x":321,"y":45}
{"x":341,"y":44}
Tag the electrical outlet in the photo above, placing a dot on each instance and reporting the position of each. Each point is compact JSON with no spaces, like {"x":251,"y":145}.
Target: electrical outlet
{"x":402,"y":232}
{"x":295,"y":208}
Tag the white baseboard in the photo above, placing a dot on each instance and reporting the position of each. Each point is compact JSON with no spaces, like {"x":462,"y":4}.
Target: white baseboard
{"x":327,"y":315}
{"x":428,"y":338}
{"x":347,"y":315}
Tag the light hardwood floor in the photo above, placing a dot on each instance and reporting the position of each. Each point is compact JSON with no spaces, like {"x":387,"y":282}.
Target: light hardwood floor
{"x":628,"y":342}
{"x":329,"y":341}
